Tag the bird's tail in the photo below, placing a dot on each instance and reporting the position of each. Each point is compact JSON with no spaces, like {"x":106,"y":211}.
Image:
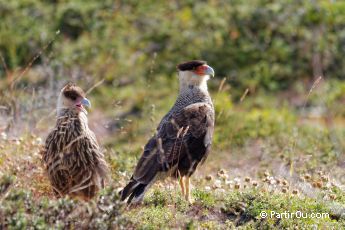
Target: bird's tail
{"x":134,"y":190}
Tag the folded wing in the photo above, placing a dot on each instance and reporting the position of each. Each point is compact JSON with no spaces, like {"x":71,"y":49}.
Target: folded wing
{"x":181,"y":143}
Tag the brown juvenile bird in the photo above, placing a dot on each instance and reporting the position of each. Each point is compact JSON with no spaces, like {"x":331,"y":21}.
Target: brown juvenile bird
{"x":183,"y":138}
{"x":72,"y":157}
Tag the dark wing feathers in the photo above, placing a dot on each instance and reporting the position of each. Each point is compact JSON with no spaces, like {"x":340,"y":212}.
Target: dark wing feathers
{"x":194,"y":124}
{"x":175,"y":138}
{"x":182,"y":141}
{"x":147,"y":168}
{"x":200,"y":119}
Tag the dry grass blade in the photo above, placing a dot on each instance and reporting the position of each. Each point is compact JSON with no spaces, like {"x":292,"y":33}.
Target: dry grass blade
{"x":221,"y":85}
{"x":315,"y":83}
{"x":294,"y":143}
{"x":31,"y":62}
{"x":244,"y":95}
{"x":95,"y":86}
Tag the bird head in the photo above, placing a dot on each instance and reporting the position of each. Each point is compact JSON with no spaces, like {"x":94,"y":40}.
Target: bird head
{"x":194,"y":73}
{"x":72,"y":97}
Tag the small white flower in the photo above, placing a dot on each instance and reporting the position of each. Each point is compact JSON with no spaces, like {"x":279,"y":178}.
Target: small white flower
{"x":207,"y":188}
{"x":38,"y":140}
{"x":224,"y":176}
{"x":217,"y":184}
{"x":237,"y":179}
{"x":272,"y":181}
{"x":229,"y":182}
{"x":3,"y":136}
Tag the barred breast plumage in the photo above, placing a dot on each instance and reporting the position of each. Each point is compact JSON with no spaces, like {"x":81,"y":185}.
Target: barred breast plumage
{"x":187,"y":96}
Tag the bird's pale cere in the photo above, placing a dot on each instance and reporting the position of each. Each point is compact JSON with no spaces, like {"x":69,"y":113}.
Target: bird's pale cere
{"x":73,"y":160}
{"x":183,"y":138}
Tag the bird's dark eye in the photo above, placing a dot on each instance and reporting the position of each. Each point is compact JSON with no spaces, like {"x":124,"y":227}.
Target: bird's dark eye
{"x":71,"y":95}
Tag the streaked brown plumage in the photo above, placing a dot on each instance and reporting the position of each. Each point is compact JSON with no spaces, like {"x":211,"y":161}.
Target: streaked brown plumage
{"x":72,"y":157}
{"x":183,"y":138}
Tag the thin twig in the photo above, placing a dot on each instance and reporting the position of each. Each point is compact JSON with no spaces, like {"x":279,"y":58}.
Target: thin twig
{"x":244,"y":95}
{"x":28,"y":66}
{"x":95,"y":86}
{"x":221,"y":85}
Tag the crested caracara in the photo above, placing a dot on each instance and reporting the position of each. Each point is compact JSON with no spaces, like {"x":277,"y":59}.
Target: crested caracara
{"x":183,"y":137}
{"x":72,"y":157}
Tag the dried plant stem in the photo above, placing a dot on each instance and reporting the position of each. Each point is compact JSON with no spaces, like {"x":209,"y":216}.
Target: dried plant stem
{"x":294,"y":143}
{"x":221,"y":85}
{"x":95,"y":86}
{"x":31,"y":62}
{"x":244,"y":95}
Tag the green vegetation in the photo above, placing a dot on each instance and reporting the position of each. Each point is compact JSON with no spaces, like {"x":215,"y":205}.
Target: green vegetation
{"x":280,"y":130}
{"x":264,"y":44}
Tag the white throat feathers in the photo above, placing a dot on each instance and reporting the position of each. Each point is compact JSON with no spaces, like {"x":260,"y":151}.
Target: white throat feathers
{"x":189,"y":80}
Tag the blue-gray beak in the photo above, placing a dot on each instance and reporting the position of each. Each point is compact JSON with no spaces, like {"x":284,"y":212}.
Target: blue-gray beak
{"x":209,"y":71}
{"x":86,"y":102}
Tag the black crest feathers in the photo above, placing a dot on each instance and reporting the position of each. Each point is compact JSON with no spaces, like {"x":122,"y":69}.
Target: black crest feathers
{"x":190,"y":65}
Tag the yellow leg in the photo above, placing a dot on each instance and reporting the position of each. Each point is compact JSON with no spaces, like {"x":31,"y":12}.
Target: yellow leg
{"x":182,"y":186}
{"x":187,"y":186}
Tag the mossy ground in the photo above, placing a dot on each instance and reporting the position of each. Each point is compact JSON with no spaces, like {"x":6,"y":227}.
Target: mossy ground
{"x":269,"y":154}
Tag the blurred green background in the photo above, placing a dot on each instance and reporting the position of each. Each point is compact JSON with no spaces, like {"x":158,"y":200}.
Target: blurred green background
{"x":261,"y":44}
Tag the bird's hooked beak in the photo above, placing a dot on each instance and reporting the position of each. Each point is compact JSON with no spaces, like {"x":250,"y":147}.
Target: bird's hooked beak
{"x":204,"y":70}
{"x":209,"y":71}
{"x":86,"y":102}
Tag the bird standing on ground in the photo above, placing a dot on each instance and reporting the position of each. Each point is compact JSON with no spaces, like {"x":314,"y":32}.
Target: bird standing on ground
{"x":183,"y":137}
{"x":72,"y":157}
